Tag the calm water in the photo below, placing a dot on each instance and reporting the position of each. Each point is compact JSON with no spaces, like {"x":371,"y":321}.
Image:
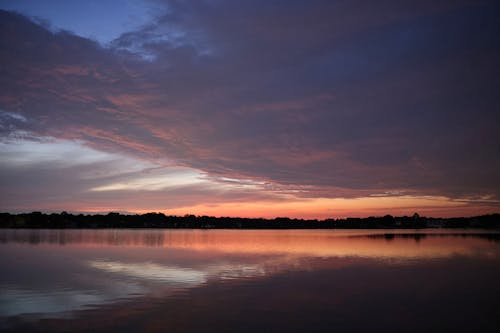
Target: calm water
{"x":249,"y":281}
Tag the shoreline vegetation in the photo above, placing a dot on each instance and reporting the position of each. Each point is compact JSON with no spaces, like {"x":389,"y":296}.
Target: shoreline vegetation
{"x":64,"y":220}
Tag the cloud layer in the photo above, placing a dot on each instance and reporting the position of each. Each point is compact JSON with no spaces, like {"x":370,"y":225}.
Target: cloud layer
{"x":293,"y":101}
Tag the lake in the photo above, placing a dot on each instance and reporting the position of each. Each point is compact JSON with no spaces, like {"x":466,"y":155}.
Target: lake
{"x":432,"y":280}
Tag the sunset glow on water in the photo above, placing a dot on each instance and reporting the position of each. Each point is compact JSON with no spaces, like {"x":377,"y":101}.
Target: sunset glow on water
{"x":140,"y":276}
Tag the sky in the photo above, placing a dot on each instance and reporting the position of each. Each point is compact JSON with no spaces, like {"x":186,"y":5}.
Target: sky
{"x":308,"y":109}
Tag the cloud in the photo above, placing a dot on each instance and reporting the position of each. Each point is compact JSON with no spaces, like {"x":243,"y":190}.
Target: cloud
{"x":47,"y":173}
{"x":314,"y":100}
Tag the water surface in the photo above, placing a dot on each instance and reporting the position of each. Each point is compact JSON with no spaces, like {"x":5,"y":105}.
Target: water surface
{"x":249,"y":280}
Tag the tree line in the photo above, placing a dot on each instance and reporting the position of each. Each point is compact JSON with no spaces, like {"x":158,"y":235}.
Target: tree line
{"x":66,"y":220}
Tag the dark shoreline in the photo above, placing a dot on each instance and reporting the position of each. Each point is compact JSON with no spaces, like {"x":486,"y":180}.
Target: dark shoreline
{"x":37,"y":220}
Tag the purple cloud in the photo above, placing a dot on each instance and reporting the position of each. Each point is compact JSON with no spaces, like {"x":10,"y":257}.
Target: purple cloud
{"x":318,"y":99}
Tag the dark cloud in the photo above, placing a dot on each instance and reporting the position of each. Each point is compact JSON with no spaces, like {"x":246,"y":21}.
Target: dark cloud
{"x":335,"y":97}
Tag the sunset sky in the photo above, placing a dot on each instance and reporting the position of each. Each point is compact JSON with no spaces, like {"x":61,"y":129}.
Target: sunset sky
{"x":250,"y":108}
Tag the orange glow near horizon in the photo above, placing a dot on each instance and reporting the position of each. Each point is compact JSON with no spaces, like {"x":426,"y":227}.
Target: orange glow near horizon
{"x":321,"y":208}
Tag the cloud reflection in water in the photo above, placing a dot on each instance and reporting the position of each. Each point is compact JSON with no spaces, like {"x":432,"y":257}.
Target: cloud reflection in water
{"x":82,"y":269}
